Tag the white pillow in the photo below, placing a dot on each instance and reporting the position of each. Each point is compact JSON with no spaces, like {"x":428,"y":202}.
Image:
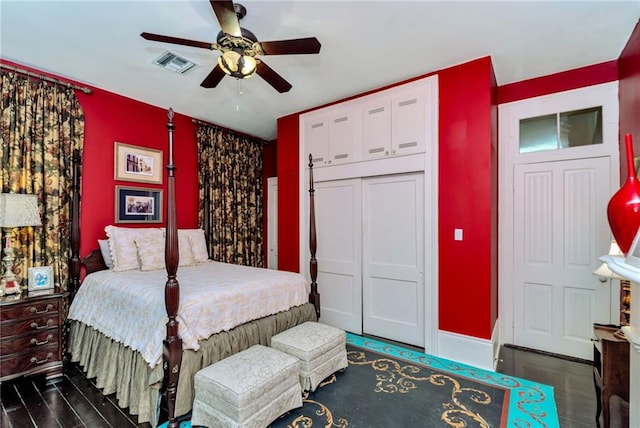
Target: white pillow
{"x":106,"y":252}
{"x":123,"y":247}
{"x":184,"y":248}
{"x":151,"y":253}
{"x":198,"y":244}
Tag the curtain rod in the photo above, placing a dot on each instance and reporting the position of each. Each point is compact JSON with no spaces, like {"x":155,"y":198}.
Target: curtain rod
{"x":28,"y":73}
{"x":241,"y":134}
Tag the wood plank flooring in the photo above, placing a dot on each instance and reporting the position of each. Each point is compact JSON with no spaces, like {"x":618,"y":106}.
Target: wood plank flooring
{"x":74,"y":401}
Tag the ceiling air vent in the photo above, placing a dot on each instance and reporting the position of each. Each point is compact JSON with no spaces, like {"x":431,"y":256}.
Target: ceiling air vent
{"x":175,"y":63}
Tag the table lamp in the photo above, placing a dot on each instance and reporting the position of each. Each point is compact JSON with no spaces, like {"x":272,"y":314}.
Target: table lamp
{"x":603,"y":271}
{"x":16,"y":210}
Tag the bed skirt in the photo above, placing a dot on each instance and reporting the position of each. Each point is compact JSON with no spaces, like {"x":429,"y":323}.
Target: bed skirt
{"x":120,"y":370}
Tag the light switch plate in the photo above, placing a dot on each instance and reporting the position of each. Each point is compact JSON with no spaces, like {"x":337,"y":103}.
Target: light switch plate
{"x":457,"y":234}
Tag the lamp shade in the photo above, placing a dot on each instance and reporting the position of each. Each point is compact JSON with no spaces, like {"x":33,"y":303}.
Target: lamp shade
{"x":19,"y":210}
{"x":237,"y":64}
{"x":603,"y":270}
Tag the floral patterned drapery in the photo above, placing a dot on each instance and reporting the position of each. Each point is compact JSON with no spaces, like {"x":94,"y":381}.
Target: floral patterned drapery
{"x":41,"y":124}
{"x":230,"y":178}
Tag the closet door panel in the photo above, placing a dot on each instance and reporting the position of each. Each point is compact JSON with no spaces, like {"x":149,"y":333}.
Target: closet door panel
{"x":338,"y":222}
{"x":393,"y":257}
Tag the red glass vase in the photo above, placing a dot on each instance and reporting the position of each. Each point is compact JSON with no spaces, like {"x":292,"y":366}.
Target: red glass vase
{"x":623,"y":210}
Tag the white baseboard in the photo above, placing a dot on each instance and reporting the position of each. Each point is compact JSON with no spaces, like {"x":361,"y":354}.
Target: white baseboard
{"x":477,"y":352}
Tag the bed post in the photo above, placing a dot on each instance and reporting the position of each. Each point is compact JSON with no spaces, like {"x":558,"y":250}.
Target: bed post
{"x":314,"y":297}
{"x":74,"y":258}
{"x":172,"y":350}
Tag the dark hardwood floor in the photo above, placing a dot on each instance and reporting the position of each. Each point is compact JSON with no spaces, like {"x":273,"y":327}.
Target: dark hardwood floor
{"x":74,"y":401}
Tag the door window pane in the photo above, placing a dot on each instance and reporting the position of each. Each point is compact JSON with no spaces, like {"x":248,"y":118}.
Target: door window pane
{"x":561,"y":130}
{"x":581,"y":127}
{"x":539,"y":133}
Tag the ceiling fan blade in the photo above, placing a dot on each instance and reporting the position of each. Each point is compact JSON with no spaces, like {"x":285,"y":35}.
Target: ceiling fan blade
{"x":309,"y":45}
{"x":226,"y":14}
{"x":177,"y":41}
{"x":213,"y":78}
{"x":272,"y":78}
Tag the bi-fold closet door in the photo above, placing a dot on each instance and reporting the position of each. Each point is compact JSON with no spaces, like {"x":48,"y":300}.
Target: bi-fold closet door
{"x":371,"y":255}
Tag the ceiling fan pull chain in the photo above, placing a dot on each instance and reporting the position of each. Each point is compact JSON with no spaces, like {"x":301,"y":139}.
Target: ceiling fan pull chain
{"x":239,"y":85}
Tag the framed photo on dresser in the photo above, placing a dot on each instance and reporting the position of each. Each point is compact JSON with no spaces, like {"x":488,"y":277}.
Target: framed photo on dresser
{"x":40,"y":278}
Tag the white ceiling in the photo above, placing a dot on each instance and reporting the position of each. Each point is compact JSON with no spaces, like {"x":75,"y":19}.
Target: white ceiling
{"x":365,"y":45}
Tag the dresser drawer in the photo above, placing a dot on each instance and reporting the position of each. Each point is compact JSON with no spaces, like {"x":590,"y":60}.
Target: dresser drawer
{"x":28,"y":309}
{"x":30,"y":361}
{"x":34,"y":340}
{"x":27,"y":325}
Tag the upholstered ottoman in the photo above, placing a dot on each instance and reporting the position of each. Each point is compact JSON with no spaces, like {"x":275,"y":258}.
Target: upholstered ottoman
{"x":320,"y":348}
{"x":249,"y":389}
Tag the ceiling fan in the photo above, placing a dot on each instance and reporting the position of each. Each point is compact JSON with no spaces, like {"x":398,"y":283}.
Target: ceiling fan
{"x":240,"y":47}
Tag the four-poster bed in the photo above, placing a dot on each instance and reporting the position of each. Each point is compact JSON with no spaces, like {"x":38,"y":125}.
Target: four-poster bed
{"x":124,"y":365}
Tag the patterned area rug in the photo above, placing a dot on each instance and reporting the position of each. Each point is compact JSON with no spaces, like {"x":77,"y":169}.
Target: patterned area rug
{"x":391,"y":386}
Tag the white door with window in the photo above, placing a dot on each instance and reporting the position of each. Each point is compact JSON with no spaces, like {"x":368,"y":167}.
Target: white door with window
{"x":558,"y":209}
{"x":558,"y":170}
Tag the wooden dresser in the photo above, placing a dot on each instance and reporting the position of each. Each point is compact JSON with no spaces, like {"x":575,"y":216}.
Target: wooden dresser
{"x":610,"y":369}
{"x":31,"y":334}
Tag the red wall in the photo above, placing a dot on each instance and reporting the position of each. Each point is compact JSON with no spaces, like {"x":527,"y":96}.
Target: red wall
{"x":288,"y":194}
{"x":110,"y":118}
{"x":467,"y":190}
{"x":629,"y":72}
{"x":468,"y":187}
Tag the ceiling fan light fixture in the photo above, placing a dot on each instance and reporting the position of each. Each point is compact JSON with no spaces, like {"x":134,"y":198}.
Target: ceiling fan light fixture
{"x":237,"y":65}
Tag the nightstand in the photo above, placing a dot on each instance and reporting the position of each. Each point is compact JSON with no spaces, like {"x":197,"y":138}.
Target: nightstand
{"x":610,"y":369}
{"x":31,"y":334}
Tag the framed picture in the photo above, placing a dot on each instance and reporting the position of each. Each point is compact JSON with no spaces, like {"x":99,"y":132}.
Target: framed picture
{"x":138,"y":205}
{"x":40,"y":278}
{"x":141,"y":164}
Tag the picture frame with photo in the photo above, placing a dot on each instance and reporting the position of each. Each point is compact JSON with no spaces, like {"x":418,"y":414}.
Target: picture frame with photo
{"x":138,"y":205}
{"x":40,"y":278}
{"x":138,"y":164}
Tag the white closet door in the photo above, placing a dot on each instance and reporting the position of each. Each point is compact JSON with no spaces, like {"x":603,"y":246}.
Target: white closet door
{"x":338,"y":222}
{"x":393,"y":257}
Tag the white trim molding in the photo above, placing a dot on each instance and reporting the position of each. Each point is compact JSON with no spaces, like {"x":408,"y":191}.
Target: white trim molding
{"x":482,"y":353}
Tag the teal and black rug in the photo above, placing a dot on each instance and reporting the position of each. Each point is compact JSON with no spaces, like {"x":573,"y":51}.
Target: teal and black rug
{"x":390,"y":386}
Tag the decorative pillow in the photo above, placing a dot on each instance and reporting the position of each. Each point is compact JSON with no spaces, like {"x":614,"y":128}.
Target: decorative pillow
{"x":198,"y":244}
{"x":184,"y":247}
{"x":124,"y":252}
{"x":151,"y":253}
{"x":106,"y":252}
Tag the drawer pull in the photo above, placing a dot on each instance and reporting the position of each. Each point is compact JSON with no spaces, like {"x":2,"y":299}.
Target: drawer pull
{"x":34,"y":341}
{"x":35,"y":325}
{"x":35,"y":310}
{"x":36,"y":361}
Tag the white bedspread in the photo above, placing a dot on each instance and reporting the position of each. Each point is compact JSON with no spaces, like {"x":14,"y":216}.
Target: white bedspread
{"x":129,"y":306}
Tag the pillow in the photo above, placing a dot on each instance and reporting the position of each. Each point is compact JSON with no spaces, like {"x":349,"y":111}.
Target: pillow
{"x":151,"y":253}
{"x":198,"y":244}
{"x":106,"y":252}
{"x":124,"y":252}
{"x":184,"y":248}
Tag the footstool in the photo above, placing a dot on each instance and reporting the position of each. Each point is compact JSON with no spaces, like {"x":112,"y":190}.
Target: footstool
{"x":249,"y":389}
{"x":320,"y":348}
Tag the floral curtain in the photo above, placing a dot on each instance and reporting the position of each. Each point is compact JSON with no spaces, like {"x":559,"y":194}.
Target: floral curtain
{"x":40,"y":126}
{"x":230,"y":178}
